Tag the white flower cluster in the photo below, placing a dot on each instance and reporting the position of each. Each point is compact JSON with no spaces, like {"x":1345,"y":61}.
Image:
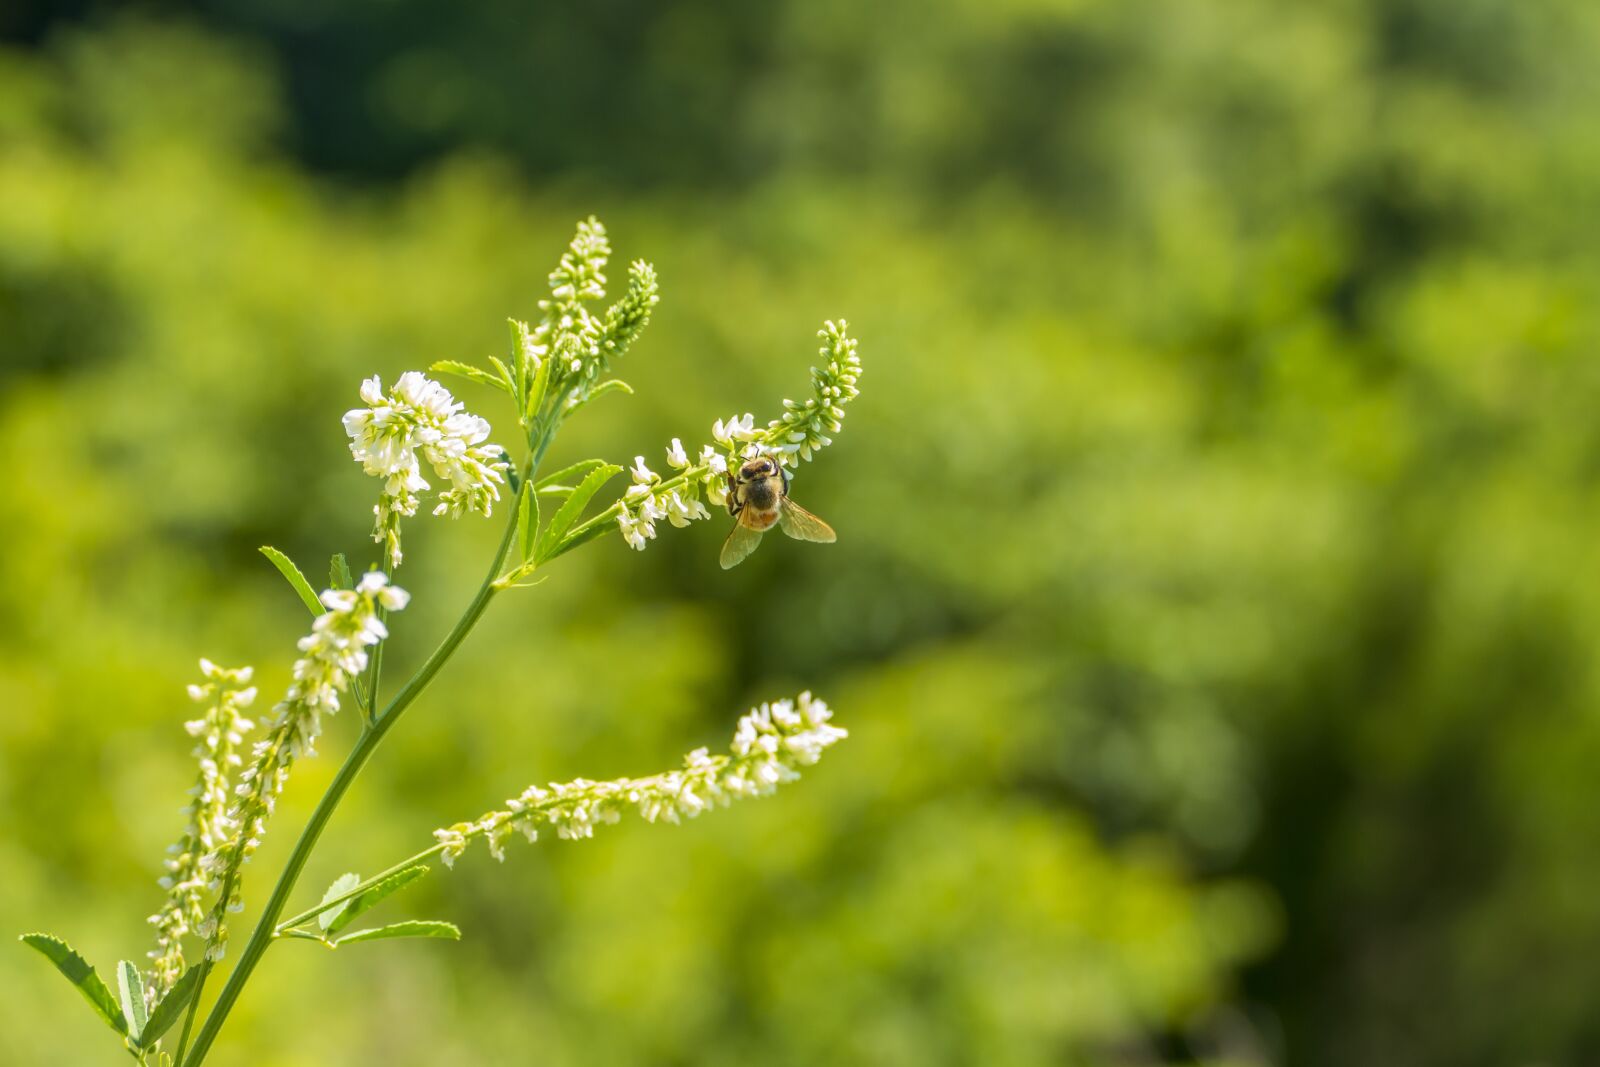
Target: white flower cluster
{"x":218,"y":732}
{"x":568,"y":329}
{"x":797,"y":435}
{"x":581,"y":342}
{"x":770,"y":745}
{"x":332,"y":654}
{"x":417,"y":422}
{"x":649,"y":500}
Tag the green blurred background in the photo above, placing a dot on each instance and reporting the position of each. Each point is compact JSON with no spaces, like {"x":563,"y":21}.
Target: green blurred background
{"x":1215,"y":598}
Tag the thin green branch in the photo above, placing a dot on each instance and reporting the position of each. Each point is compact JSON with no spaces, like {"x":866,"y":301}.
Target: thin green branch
{"x":286,"y":926}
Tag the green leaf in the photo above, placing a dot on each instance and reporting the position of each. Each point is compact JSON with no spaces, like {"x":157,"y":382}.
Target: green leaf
{"x":287,"y":568}
{"x":613,"y":385}
{"x":564,"y":518}
{"x":131,"y":987}
{"x":583,"y":466}
{"x":413,"y":928}
{"x":527,"y":523}
{"x":541,"y":382}
{"x":373,"y":894}
{"x":341,"y":885}
{"x":519,"y":355}
{"x":582,"y":536}
{"x":339,"y":575}
{"x":509,"y":379}
{"x":471,"y":373}
{"x":76,"y":970}
{"x":171,"y":1007}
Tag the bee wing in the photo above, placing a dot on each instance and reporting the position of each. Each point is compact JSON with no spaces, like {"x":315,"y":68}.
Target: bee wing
{"x":801,"y":525}
{"x":742,"y":541}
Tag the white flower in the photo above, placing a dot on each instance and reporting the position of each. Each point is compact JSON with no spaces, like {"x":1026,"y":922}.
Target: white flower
{"x":682,"y":512}
{"x":642,"y":475}
{"x":713,"y":460}
{"x":635,"y":530}
{"x":420,"y":422}
{"x":677,"y":459}
{"x":769,"y":746}
{"x":737,"y":428}
{"x":334,"y":652}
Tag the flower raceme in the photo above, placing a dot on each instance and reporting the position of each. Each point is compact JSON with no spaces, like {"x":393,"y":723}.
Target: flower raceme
{"x":218,"y":732}
{"x":331,"y":655}
{"x":794,"y":437}
{"x":769,"y":747}
{"x":417,"y":422}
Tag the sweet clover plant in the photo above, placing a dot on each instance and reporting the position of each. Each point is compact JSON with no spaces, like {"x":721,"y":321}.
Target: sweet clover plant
{"x":425,"y":448}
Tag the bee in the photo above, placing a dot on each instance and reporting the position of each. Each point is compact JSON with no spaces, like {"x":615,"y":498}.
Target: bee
{"x":758,"y":498}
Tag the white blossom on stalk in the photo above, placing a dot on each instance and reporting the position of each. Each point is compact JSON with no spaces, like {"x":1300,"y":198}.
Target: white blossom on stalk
{"x":738,"y":429}
{"x":418,"y":422}
{"x":677,"y":459}
{"x":795,"y":436}
{"x":334,"y":652}
{"x":218,"y":732}
{"x":769,"y":747}
{"x":714,"y":480}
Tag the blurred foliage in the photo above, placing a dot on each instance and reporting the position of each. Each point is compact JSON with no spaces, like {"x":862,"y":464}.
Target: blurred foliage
{"x":1213,"y":604}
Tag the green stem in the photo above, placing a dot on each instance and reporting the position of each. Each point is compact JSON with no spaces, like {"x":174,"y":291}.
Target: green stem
{"x":369,"y":708}
{"x":368,"y":743}
{"x":286,"y":926}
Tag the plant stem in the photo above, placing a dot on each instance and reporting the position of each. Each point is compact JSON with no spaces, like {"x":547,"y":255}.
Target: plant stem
{"x":368,"y":743}
{"x":375,"y":668}
{"x":286,"y":925}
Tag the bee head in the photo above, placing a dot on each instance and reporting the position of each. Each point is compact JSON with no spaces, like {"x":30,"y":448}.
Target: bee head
{"x":760,"y":467}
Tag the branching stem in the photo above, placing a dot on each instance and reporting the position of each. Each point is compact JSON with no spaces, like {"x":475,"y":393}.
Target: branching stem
{"x":372,"y":735}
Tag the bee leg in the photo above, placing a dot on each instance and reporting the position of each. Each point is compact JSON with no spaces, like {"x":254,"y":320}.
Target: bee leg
{"x":785,"y":472}
{"x":734,"y":506}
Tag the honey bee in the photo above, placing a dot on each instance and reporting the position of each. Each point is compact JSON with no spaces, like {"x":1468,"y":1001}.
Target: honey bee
{"x":758,"y":498}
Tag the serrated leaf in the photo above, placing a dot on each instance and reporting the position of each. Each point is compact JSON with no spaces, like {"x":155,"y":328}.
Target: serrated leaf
{"x":468,"y":371}
{"x":583,"y":466}
{"x":527,"y":523}
{"x":341,"y":885}
{"x":564,"y":518}
{"x":339,"y":575}
{"x":413,"y":928}
{"x":130,"y":987}
{"x":373,"y":894}
{"x":292,"y":573}
{"x":171,"y":1007}
{"x":75,"y":969}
